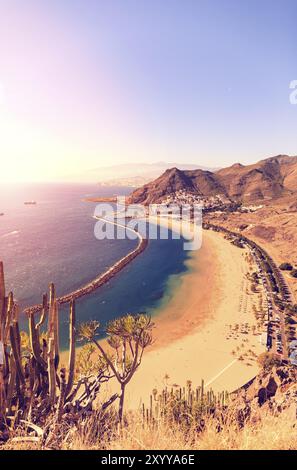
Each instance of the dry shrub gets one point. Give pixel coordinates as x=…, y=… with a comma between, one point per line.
x=95, y=431
x=275, y=432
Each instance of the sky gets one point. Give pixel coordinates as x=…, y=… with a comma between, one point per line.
x=91, y=83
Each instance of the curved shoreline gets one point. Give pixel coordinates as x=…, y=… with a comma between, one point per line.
x=193, y=336
x=103, y=278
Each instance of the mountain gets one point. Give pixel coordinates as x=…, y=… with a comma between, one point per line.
x=196, y=182
x=268, y=179
x=118, y=174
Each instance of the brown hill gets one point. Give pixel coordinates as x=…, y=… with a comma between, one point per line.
x=195, y=181
x=268, y=179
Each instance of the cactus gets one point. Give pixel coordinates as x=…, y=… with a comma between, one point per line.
x=51, y=371
x=202, y=389
x=15, y=346
x=62, y=395
x=11, y=383
x=43, y=312
x=35, y=342
x=23, y=380
x=9, y=316
x=56, y=335
x=53, y=323
x=31, y=385
x=72, y=334
x=52, y=299
x=183, y=406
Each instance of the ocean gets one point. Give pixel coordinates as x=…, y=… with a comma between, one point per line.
x=54, y=241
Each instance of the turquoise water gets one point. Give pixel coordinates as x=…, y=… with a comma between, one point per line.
x=54, y=241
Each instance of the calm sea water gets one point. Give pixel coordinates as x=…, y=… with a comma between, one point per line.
x=53, y=241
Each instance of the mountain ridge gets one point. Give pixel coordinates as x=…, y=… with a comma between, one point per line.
x=268, y=179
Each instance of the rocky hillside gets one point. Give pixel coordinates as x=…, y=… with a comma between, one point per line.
x=268, y=179
x=274, y=391
x=273, y=227
x=196, y=181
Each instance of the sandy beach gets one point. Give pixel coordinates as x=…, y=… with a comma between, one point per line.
x=206, y=329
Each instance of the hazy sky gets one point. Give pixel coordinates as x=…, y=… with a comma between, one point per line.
x=89, y=83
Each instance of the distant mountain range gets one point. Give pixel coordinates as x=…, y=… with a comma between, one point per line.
x=268, y=179
x=134, y=174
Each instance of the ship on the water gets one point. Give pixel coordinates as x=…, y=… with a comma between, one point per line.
x=30, y=203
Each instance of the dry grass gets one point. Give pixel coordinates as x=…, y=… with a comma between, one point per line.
x=175, y=421
x=269, y=433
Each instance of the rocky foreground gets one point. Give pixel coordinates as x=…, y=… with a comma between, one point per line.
x=273, y=391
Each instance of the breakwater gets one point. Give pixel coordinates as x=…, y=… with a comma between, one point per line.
x=104, y=277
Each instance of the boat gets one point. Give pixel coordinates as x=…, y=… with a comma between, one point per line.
x=1, y=213
x=30, y=203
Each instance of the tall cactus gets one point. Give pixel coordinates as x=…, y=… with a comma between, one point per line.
x=72, y=334
x=9, y=316
x=52, y=299
x=56, y=335
x=62, y=395
x=11, y=382
x=35, y=341
x=51, y=371
x=30, y=383
x=15, y=346
x=43, y=312
x=53, y=323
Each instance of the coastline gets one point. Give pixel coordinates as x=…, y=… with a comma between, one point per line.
x=193, y=336
x=102, y=278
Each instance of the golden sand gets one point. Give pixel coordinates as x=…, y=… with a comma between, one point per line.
x=193, y=336
x=207, y=328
